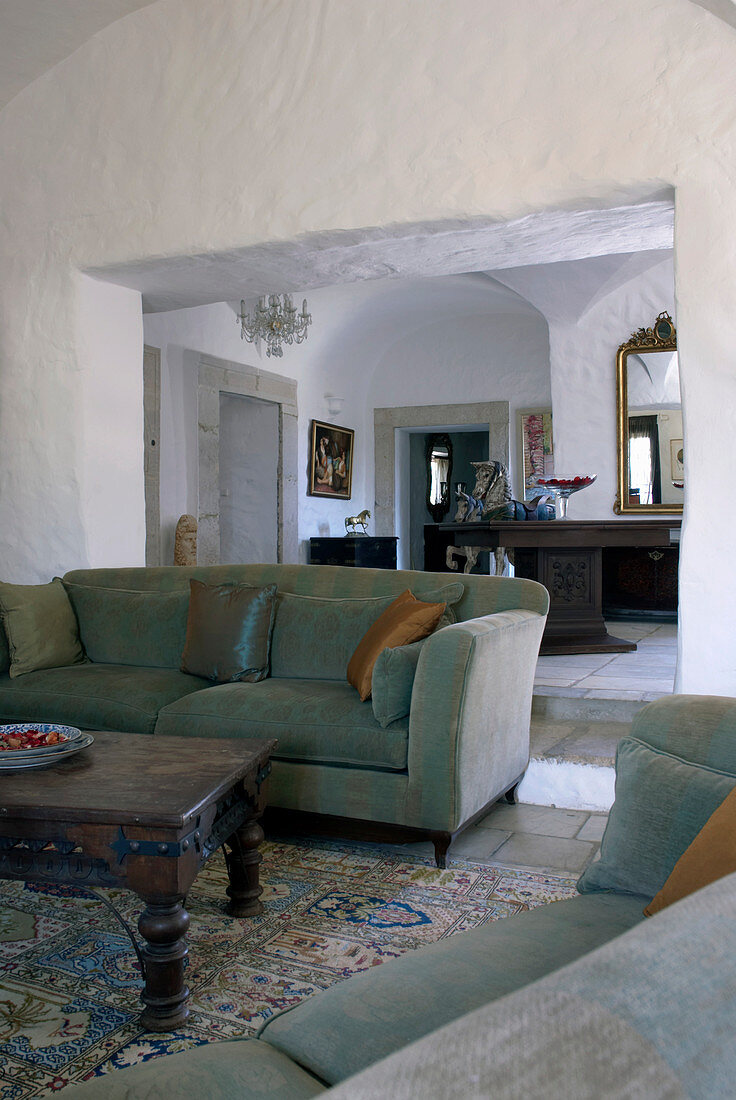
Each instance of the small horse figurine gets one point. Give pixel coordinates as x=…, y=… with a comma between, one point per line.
x=361, y=520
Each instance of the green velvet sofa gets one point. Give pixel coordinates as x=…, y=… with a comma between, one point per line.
x=462, y=744
x=580, y=998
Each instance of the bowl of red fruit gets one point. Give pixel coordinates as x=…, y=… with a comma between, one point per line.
x=32, y=744
x=564, y=487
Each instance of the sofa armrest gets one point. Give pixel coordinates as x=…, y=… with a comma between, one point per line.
x=697, y=728
x=470, y=715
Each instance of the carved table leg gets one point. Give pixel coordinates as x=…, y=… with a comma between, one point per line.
x=245, y=890
x=163, y=925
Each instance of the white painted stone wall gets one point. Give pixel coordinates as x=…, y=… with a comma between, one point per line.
x=187, y=128
x=583, y=370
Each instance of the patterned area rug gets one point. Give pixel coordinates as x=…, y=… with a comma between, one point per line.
x=69, y=983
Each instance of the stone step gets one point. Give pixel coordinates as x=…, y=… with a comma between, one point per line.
x=572, y=762
x=621, y=707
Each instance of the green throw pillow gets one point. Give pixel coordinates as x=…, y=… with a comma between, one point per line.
x=119, y=626
x=662, y=803
x=40, y=625
x=393, y=680
x=448, y=593
x=229, y=631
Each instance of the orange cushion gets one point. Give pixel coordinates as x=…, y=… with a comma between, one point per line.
x=406, y=620
x=710, y=856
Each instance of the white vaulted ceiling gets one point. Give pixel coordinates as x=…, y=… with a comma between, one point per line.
x=35, y=35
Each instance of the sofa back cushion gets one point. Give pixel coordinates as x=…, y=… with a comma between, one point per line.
x=296, y=651
x=481, y=595
x=661, y=804
x=314, y=637
x=124, y=627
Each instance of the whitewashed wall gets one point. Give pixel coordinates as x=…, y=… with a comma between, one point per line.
x=187, y=128
x=583, y=367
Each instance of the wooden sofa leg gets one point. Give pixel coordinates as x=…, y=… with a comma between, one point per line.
x=441, y=843
x=511, y=795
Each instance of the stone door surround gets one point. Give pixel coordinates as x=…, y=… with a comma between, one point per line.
x=218, y=376
x=432, y=417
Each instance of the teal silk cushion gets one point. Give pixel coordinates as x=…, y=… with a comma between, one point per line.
x=314, y=637
x=393, y=680
x=662, y=803
x=122, y=627
x=229, y=631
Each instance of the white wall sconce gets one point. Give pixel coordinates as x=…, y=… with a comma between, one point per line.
x=334, y=404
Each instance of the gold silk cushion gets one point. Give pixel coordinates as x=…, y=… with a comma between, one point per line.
x=406, y=620
x=40, y=625
x=710, y=856
x=229, y=630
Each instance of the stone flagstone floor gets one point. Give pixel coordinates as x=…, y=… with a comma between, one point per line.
x=530, y=838
x=645, y=674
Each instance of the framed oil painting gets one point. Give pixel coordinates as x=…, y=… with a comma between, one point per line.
x=535, y=449
x=330, y=461
x=677, y=459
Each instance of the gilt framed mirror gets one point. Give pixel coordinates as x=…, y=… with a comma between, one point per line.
x=649, y=422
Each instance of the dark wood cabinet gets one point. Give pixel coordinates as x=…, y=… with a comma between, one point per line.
x=640, y=580
x=366, y=551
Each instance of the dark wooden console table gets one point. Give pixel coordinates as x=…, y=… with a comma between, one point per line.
x=566, y=556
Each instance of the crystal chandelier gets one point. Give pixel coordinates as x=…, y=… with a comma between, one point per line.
x=275, y=320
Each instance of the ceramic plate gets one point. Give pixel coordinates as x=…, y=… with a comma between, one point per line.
x=19, y=761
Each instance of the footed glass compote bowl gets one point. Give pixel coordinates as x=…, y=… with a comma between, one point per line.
x=563, y=488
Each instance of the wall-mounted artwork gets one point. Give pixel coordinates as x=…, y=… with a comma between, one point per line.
x=537, y=455
x=330, y=461
x=677, y=459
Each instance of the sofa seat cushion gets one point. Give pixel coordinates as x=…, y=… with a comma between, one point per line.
x=319, y=721
x=239, y=1068
x=109, y=697
x=355, y=1023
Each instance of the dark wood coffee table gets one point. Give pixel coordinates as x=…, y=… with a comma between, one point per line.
x=144, y=813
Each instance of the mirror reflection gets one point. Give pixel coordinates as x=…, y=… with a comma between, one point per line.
x=439, y=475
x=655, y=424
x=651, y=473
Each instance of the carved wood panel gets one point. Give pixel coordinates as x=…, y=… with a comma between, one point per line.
x=570, y=576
